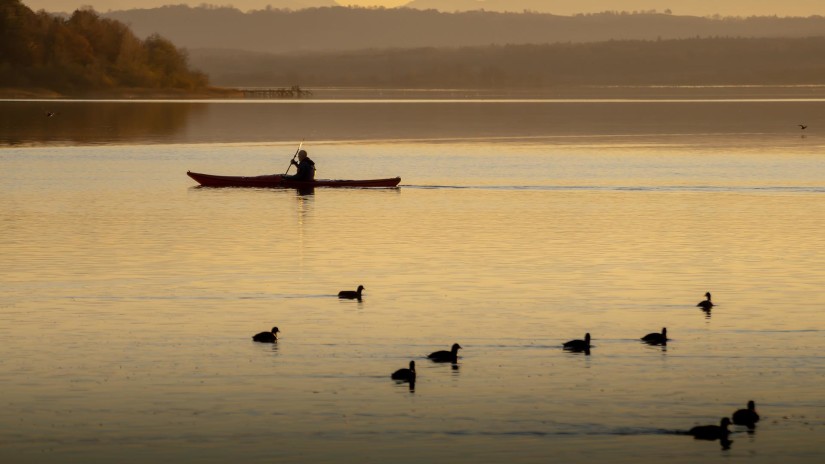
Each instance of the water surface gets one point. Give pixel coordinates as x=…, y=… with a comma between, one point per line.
x=129, y=295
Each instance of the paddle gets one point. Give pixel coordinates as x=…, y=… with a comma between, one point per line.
x=293, y=157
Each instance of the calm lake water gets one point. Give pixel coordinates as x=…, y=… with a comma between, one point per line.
x=128, y=295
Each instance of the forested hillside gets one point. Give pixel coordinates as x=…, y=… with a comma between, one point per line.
x=85, y=53
x=716, y=61
x=339, y=28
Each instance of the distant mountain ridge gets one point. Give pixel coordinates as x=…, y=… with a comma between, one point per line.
x=574, y=7
x=511, y=6
x=300, y=4
x=340, y=28
x=692, y=62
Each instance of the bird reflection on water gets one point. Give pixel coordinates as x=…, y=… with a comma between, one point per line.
x=585, y=352
x=725, y=443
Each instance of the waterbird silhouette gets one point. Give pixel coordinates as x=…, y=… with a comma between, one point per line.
x=747, y=417
x=656, y=338
x=350, y=294
x=711, y=432
x=802, y=126
x=578, y=345
x=446, y=356
x=267, y=337
x=405, y=375
x=706, y=304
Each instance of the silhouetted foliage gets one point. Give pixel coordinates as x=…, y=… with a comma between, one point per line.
x=85, y=52
x=719, y=61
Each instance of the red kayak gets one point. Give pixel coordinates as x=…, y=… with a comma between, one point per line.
x=277, y=180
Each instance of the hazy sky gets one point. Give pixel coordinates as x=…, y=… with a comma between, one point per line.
x=565, y=7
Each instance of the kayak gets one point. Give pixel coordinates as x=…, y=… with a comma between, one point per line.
x=278, y=181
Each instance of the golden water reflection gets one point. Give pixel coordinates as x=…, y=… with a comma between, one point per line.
x=129, y=298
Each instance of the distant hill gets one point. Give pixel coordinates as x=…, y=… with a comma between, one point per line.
x=299, y=4
x=573, y=7
x=510, y=6
x=712, y=61
x=339, y=28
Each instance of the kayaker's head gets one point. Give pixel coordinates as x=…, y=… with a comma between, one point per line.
x=302, y=155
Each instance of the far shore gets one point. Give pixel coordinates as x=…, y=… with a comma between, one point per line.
x=122, y=94
x=581, y=92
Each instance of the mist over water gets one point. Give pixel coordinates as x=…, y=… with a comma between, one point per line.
x=129, y=295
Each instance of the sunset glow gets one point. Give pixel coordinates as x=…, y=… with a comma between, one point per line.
x=561, y=7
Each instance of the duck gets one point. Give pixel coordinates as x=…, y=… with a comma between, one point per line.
x=706, y=304
x=351, y=295
x=656, y=338
x=711, y=432
x=747, y=417
x=578, y=345
x=446, y=356
x=405, y=375
x=267, y=337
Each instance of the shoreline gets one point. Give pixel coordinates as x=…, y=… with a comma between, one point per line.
x=631, y=92
x=121, y=94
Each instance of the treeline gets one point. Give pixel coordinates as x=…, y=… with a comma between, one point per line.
x=86, y=53
x=339, y=28
x=712, y=61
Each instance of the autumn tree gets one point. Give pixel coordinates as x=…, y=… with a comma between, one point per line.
x=85, y=52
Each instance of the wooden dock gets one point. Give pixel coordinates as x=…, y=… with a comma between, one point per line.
x=275, y=92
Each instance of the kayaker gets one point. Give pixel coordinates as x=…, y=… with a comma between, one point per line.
x=306, y=168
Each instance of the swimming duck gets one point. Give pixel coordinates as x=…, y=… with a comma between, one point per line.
x=267, y=337
x=351, y=295
x=578, y=345
x=405, y=375
x=446, y=356
x=656, y=338
x=747, y=417
x=711, y=432
x=706, y=304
